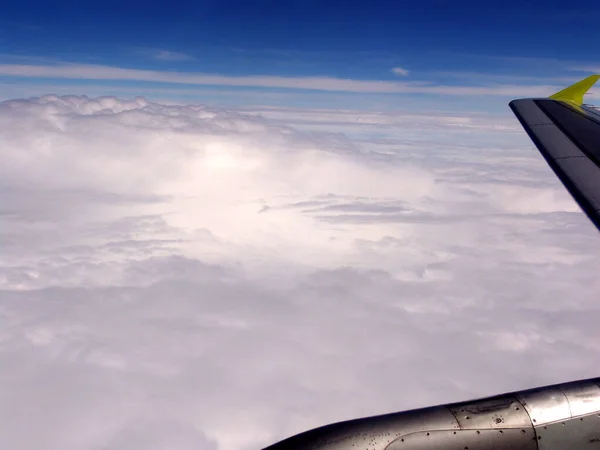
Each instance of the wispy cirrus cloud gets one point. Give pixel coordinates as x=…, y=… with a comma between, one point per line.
x=161, y=54
x=320, y=83
x=400, y=71
x=99, y=72
x=594, y=68
x=166, y=55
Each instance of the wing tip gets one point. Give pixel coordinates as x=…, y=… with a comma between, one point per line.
x=574, y=93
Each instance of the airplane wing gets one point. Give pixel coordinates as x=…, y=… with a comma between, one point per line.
x=567, y=134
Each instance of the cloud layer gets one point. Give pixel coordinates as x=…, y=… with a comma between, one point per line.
x=318, y=83
x=198, y=278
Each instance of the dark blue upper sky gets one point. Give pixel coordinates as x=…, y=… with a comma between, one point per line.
x=445, y=42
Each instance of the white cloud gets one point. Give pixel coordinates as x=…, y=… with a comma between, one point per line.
x=400, y=71
x=192, y=277
x=99, y=72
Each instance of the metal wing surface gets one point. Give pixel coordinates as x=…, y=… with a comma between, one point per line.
x=567, y=134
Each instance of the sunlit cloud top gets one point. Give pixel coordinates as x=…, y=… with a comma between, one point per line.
x=218, y=279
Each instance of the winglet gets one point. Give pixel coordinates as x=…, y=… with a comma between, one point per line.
x=574, y=94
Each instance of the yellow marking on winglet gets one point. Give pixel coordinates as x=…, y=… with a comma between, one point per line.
x=574, y=94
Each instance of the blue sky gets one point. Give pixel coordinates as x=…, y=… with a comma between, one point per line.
x=496, y=50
